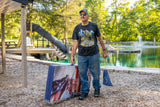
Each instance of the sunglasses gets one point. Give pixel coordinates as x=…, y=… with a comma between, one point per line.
x=83, y=14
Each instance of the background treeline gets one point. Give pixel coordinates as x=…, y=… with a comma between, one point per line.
x=118, y=22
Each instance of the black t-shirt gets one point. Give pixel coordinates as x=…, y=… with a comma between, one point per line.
x=87, y=38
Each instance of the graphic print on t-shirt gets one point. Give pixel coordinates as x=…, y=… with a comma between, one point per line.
x=87, y=39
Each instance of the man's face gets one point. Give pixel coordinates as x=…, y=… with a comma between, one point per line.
x=84, y=16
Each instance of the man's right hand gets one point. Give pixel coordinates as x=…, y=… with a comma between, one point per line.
x=72, y=60
x=74, y=48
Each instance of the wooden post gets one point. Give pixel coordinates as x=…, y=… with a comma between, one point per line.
x=65, y=29
x=3, y=45
x=33, y=39
x=24, y=50
x=154, y=41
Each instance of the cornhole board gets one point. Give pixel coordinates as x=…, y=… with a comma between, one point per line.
x=63, y=82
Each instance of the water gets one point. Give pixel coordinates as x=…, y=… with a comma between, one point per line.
x=148, y=58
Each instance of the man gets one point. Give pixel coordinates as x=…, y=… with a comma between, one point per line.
x=85, y=39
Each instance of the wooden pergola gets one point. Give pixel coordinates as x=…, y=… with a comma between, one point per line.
x=8, y=6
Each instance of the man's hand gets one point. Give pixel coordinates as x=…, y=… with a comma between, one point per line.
x=74, y=48
x=105, y=55
x=72, y=60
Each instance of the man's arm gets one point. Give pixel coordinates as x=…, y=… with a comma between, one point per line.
x=74, y=48
x=103, y=47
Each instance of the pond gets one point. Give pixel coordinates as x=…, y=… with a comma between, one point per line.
x=147, y=58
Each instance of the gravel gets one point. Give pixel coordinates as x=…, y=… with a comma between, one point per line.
x=129, y=89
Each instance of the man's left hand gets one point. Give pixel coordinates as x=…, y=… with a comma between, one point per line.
x=105, y=55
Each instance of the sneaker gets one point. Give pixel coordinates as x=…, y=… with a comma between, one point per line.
x=96, y=92
x=83, y=96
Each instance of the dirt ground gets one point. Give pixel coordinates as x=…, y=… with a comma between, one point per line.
x=129, y=90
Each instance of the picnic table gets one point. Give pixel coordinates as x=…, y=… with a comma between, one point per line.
x=9, y=43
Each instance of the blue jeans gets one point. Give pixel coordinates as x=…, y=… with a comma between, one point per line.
x=93, y=64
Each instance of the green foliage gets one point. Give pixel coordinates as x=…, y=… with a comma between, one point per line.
x=12, y=25
x=121, y=23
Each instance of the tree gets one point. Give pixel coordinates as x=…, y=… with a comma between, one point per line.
x=59, y=17
x=97, y=13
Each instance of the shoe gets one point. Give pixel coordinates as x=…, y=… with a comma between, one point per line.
x=83, y=96
x=96, y=92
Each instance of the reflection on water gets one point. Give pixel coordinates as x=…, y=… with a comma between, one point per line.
x=138, y=59
x=149, y=58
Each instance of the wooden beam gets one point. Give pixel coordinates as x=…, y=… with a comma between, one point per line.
x=3, y=45
x=7, y=6
x=31, y=50
x=24, y=50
